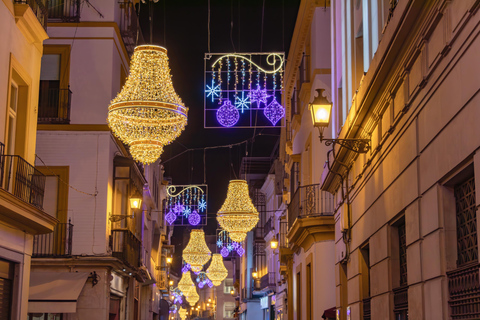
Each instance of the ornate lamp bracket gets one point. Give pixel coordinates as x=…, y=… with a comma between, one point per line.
x=355, y=145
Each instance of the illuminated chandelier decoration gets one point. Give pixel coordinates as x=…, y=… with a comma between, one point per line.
x=196, y=253
x=217, y=271
x=226, y=245
x=186, y=205
x=186, y=284
x=192, y=297
x=240, y=85
x=147, y=114
x=237, y=215
x=182, y=313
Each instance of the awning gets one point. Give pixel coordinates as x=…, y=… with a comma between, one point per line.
x=55, y=292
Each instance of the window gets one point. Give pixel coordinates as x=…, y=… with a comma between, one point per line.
x=298, y=301
x=400, y=283
x=54, y=95
x=18, y=111
x=228, y=285
x=309, y=291
x=6, y=288
x=365, y=271
x=55, y=199
x=229, y=309
x=294, y=178
x=466, y=216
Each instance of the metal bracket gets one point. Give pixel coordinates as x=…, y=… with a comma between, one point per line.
x=119, y=217
x=355, y=145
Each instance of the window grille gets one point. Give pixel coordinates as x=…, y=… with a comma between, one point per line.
x=467, y=246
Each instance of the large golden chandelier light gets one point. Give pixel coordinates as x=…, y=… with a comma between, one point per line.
x=147, y=114
x=186, y=284
x=217, y=271
x=196, y=253
x=182, y=313
x=238, y=215
x=192, y=297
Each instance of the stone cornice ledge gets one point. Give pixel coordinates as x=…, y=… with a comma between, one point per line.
x=29, y=25
x=307, y=231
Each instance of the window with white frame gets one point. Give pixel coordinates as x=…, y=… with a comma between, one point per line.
x=228, y=286
x=228, y=309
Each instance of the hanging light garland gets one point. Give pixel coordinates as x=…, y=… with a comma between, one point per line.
x=147, y=114
x=186, y=284
x=193, y=297
x=237, y=215
x=196, y=253
x=217, y=271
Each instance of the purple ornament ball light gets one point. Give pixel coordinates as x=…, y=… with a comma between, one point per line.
x=224, y=252
x=227, y=114
x=194, y=218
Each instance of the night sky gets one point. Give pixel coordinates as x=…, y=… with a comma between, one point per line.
x=181, y=27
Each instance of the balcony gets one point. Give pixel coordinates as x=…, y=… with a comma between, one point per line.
x=130, y=27
x=21, y=179
x=268, y=281
x=464, y=289
x=39, y=8
x=310, y=216
x=268, y=227
x=57, y=244
x=64, y=10
x=161, y=279
x=400, y=303
x=54, y=106
x=284, y=250
x=126, y=247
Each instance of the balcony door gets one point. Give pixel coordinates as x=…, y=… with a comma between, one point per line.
x=53, y=100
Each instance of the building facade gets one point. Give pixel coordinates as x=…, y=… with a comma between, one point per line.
x=405, y=77
x=21, y=186
x=306, y=231
x=106, y=259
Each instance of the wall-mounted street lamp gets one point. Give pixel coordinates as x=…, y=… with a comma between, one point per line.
x=136, y=201
x=321, y=110
x=135, y=204
x=170, y=283
x=169, y=260
x=274, y=243
x=255, y=274
x=232, y=292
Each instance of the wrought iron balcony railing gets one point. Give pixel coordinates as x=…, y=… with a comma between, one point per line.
x=400, y=302
x=130, y=26
x=64, y=10
x=282, y=235
x=39, y=8
x=304, y=69
x=54, y=106
x=126, y=247
x=21, y=179
x=268, y=226
x=309, y=201
x=267, y=280
x=56, y=244
x=464, y=289
x=367, y=309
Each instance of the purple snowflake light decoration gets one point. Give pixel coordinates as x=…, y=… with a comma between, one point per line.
x=224, y=252
x=258, y=95
x=227, y=114
x=194, y=218
x=240, y=251
x=178, y=209
x=274, y=112
x=170, y=217
x=235, y=245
